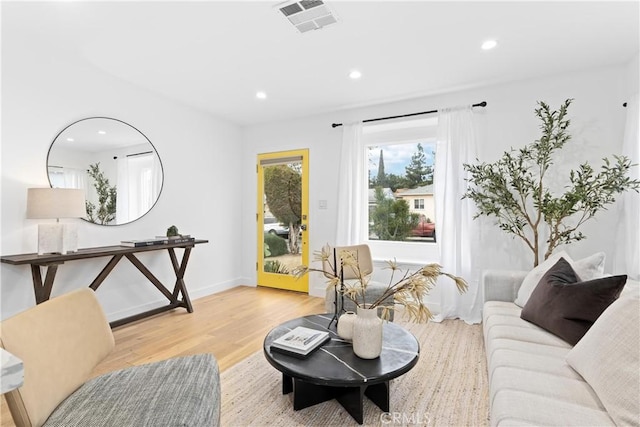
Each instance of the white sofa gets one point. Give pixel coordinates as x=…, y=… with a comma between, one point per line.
x=533, y=378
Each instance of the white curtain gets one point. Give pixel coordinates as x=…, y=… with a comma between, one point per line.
x=352, y=193
x=627, y=250
x=122, y=197
x=139, y=184
x=457, y=234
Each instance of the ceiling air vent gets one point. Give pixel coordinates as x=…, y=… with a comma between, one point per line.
x=307, y=15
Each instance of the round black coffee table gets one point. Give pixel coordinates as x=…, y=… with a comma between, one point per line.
x=333, y=371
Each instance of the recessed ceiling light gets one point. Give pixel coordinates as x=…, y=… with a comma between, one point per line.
x=261, y=95
x=101, y=132
x=355, y=74
x=489, y=44
x=70, y=139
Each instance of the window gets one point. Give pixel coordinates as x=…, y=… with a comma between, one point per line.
x=400, y=181
x=401, y=205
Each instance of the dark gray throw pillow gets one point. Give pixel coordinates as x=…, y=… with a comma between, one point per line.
x=566, y=307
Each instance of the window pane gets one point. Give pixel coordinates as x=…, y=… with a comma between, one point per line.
x=282, y=213
x=401, y=203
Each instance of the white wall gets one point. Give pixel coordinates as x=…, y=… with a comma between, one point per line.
x=633, y=76
x=508, y=121
x=44, y=92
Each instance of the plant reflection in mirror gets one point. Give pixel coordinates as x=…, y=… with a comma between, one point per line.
x=105, y=212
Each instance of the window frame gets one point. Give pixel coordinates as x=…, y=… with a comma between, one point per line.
x=399, y=132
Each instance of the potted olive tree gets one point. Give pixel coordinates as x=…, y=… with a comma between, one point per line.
x=513, y=190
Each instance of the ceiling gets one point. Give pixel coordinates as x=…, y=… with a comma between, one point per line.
x=216, y=55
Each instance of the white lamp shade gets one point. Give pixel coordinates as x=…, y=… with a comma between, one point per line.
x=49, y=203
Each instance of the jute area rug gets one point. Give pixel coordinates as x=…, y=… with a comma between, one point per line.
x=447, y=387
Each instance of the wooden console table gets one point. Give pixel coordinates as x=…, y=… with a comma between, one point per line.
x=179, y=297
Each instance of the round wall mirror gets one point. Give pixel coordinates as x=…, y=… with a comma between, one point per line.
x=116, y=165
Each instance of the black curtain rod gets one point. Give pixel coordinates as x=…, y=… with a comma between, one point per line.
x=335, y=125
x=134, y=154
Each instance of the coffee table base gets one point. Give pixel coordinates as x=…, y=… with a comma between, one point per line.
x=306, y=394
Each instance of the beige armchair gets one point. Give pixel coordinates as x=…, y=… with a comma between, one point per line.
x=374, y=290
x=62, y=340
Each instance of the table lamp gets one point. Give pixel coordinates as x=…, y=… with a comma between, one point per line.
x=49, y=203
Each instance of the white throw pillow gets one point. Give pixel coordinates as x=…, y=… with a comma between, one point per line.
x=532, y=278
x=591, y=267
x=608, y=358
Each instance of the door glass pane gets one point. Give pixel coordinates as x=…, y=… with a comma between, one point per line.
x=282, y=214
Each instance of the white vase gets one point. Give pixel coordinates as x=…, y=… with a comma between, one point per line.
x=367, y=334
x=345, y=325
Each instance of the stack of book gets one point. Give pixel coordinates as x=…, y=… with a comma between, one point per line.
x=184, y=238
x=159, y=240
x=300, y=342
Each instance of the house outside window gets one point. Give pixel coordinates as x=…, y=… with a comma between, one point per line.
x=421, y=200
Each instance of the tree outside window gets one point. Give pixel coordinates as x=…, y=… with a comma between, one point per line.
x=283, y=191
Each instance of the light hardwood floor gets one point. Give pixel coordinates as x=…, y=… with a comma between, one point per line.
x=230, y=324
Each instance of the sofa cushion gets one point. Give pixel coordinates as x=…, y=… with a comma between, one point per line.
x=567, y=308
x=587, y=268
x=514, y=407
x=504, y=329
x=527, y=347
x=524, y=333
x=570, y=390
x=608, y=358
x=541, y=363
x=500, y=308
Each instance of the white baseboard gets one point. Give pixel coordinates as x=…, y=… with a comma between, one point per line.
x=193, y=294
x=214, y=289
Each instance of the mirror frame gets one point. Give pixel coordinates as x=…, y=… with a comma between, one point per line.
x=132, y=127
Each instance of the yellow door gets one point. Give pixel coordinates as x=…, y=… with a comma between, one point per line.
x=283, y=218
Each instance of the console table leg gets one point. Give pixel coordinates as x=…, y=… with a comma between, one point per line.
x=105, y=272
x=179, y=269
x=43, y=291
